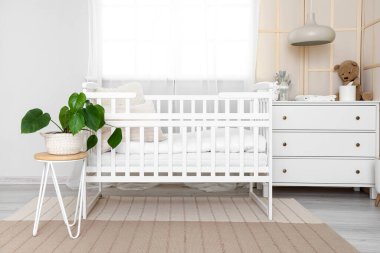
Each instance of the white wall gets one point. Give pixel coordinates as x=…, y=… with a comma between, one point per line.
x=43, y=59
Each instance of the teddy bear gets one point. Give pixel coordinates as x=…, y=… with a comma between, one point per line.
x=348, y=71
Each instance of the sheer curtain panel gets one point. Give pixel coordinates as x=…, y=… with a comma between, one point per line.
x=181, y=46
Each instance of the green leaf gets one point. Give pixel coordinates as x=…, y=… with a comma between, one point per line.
x=91, y=142
x=100, y=108
x=64, y=116
x=101, y=112
x=115, y=138
x=92, y=117
x=76, y=122
x=77, y=101
x=34, y=120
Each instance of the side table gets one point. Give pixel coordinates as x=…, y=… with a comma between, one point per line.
x=49, y=160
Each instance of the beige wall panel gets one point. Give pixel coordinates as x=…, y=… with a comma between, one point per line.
x=371, y=47
x=376, y=9
x=345, y=47
x=368, y=11
x=274, y=51
x=319, y=83
x=266, y=57
x=367, y=44
x=348, y=17
x=376, y=54
x=294, y=90
x=319, y=57
x=336, y=82
x=322, y=11
x=376, y=84
x=366, y=80
x=268, y=15
x=291, y=14
x=290, y=60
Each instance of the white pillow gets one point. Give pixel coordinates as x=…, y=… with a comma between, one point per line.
x=147, y=107
x=120, y=103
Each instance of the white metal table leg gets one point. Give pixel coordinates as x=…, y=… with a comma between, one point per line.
x=45, y=173
x=84, y=191
x=78, y=212
x=78, y=209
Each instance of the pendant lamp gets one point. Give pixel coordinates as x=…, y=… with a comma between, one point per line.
x=311, y=34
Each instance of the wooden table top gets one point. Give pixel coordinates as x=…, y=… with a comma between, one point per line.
x=44, y=156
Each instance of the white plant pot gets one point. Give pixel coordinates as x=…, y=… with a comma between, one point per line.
x=63, y=143
x=377, y=175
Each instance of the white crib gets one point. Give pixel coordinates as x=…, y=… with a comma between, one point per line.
x=242, y=118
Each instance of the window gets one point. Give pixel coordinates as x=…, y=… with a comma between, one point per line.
x=176, y=39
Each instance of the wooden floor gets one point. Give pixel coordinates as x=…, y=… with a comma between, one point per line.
x=351, y=214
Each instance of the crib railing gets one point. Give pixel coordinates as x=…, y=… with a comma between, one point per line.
x=180, y=114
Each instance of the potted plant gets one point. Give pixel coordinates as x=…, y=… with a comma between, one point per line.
x=78, y=117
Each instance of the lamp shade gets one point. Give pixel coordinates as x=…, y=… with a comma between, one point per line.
x=311, y=34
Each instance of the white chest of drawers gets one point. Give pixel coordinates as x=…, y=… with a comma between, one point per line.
x=325, y=143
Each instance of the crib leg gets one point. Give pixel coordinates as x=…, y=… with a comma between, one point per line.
x=266, y=190
x=266, y=206
x=100, y=195
x=91, y=201
x=270, y=193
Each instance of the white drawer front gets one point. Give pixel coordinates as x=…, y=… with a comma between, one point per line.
x=325, y=117
x=324, y=144
x=323, y=171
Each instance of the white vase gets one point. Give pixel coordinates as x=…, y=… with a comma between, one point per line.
x=377, y=175
x=63, y=143
x=347, y=93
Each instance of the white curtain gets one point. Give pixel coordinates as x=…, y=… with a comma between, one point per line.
x=174, y=46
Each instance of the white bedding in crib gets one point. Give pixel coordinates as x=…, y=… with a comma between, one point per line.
x=234, y=145
x=220, y=160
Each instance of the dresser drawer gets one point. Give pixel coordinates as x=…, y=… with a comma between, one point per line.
x=324, y=144
x=323, y=171
x=325, y=117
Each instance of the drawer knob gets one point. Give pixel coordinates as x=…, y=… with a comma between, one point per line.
x=357, y=171
x=284, y=171
x=284, y=117
x=357, y=117
x=357, y=144
x=284, y=144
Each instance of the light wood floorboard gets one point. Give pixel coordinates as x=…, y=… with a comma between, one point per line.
x=352, y=214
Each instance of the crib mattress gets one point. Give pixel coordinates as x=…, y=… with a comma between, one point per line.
x=205, y=143
x=220, y=159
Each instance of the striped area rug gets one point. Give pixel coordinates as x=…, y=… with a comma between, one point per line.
x=173, y=224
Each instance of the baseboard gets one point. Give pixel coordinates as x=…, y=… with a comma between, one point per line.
x=30, y=180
